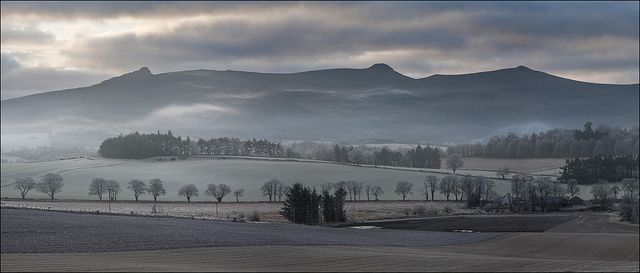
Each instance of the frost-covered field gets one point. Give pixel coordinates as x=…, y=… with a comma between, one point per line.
x=529, y=165
x=238, y=173
x=267, y=211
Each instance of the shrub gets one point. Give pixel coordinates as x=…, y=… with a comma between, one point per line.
x=254, y=216
x=419, y=210
x=447, y=210
x=173, y=159
x=629, y=210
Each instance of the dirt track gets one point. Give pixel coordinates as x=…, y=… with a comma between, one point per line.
x=610, y=249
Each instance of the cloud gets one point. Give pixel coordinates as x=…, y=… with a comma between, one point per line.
x=17, y=80
x=181, y=111
x=22, y=36
x=594, y=41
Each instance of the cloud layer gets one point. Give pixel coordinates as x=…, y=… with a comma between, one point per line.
x=67, y=44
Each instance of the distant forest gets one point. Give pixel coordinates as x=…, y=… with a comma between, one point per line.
x=556, y=143
x=138, y=146
x=609, y=168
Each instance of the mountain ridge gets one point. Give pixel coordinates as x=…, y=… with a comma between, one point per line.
x=344, y=104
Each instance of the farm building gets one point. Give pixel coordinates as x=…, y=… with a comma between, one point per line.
x=576, y=201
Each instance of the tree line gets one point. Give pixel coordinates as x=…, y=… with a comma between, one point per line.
x=556, y=143
x=605, y=167
x=137, y=146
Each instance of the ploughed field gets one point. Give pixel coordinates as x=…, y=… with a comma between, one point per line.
x=478, y=223
x=35, y=231
x=238, y=173
x=55, y=241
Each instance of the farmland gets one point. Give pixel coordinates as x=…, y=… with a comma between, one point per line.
x=238, y=173
x=267, y=211
x=68, y=242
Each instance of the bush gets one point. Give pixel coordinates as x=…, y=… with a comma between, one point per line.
x=254, y=216
x=173, y=159
x=419, y=210
x=447, y=210
x=424, y=211
x=629, y=211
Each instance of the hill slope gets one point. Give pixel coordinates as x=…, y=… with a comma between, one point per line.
x=334, y=104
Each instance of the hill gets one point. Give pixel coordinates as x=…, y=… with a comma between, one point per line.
x=238, y=173
x=332, y=105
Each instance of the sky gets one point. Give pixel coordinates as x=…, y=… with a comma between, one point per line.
x=49, y=46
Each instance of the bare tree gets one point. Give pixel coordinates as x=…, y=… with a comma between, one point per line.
x=138, y=187
x=24, y=185
x=367, y=191
x=98, y=187
x=543, y=186
x=340, y=185
x=446, y=186
x=350, y=187
x=238, y=193
x=403, y=188
x=454, y=162
x=615, y=190
x=503, y=171
x=377, y=191
x=270, y=189
x=601, y=192
x=156, y=189
x=424, y=190
x=218, y=191
x=327, y=186
x=188, y=191
x=51, y=184
x=357, y=189
x=432, y=181
x=113, y=187
x=572, y=187
x=455, y=186
x=517, y=190
x=282, y=190
x=631, y=186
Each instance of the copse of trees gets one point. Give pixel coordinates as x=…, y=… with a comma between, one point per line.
x=333, y=205
x=556, y=143
x=530, y=193
x=301, y=205
x=607, y=167
x=137, y=146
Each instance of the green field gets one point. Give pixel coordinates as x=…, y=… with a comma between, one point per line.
x=238, y=173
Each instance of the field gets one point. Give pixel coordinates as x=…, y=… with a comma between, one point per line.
x=267, y=211
x=53, y=241
x=478, y=223
x=238, y=173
